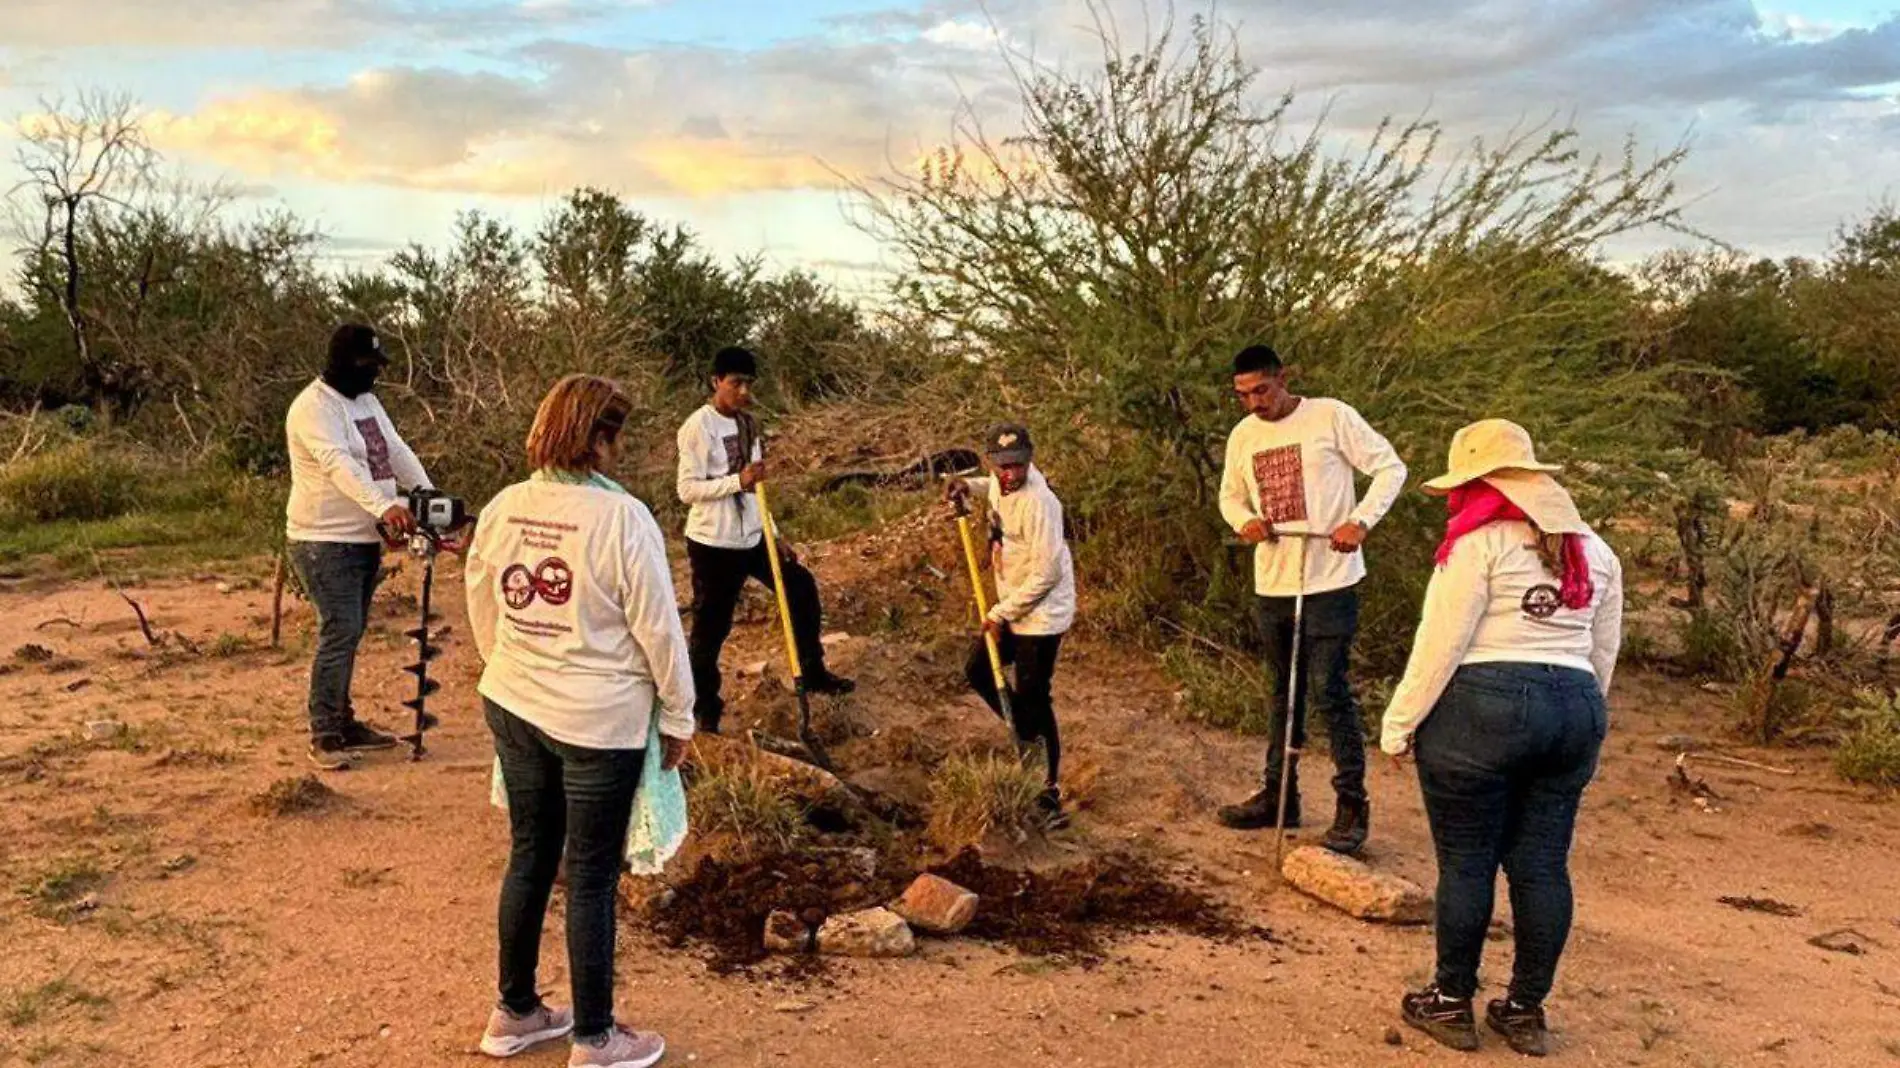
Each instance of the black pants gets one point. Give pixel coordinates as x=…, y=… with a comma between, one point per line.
x=1331, y=621
x=719, y=575
x=1503, y=760
x=1034, y=658
x=562, y=797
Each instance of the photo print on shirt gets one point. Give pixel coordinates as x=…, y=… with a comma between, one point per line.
x=1280, y=476
x=376, y=449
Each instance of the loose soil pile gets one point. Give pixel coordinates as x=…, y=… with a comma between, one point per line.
x=723, y=905
x=1070, y=913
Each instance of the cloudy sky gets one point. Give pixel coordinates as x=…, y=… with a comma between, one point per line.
x=381, y=119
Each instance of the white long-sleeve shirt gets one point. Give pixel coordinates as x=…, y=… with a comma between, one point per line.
x=572, y=606
x=1493, y=602
x=1297, y=473
x=722, y=514
x=347, y=464
x=1035, y=577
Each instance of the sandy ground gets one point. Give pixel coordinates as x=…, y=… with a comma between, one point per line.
x=155, y=917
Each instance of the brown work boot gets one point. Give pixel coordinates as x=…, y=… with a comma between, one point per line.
x=1351, y=825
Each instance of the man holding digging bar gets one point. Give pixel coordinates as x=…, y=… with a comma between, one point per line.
x=1288, y=476
x=1035, y=589
x=721, y=462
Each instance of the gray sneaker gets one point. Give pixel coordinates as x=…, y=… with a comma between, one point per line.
x=509, y=1034
x=618, y=1048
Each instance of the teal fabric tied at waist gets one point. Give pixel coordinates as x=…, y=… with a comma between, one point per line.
x=658, y=827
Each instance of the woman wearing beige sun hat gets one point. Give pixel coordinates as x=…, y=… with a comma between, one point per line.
x=1502, y=706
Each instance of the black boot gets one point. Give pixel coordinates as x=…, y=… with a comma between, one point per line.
x=1522, y=1026
x=1262, y=810
x=1447, y=1020
x=1351, y=824
x=1049, y=803
x=824, y=682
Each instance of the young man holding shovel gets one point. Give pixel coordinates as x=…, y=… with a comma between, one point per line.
x=1035, y=589
x=1288, y=475
x=721, y=461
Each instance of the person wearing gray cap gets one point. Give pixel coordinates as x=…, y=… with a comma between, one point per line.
x=1035, y=588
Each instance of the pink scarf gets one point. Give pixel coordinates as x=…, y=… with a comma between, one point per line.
x=1478, y=504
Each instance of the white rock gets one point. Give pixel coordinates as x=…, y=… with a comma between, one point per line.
x=870, y=933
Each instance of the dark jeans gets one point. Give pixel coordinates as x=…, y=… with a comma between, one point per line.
x=719, y=575
x=1034, y=657
x=339, y=579
x=1503, y=760
x=562, y=797
x=1331, y=621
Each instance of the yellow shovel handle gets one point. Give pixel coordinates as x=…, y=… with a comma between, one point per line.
x=778, y=579
x=982, y=602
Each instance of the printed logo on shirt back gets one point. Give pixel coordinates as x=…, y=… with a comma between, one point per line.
x=552, y=580
x=376, y=449
x=1542, y=601
x=1279, y=474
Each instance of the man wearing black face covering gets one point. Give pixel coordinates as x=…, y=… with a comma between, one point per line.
x=348, y=467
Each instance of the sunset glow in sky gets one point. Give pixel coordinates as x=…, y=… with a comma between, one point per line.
x=381, y=119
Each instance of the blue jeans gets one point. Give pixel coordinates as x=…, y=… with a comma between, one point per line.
x=339, y=579
x=1503, y=760
x=1330, y=622
x=562, y=798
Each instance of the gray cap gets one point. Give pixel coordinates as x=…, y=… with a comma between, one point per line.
x=1008, y=443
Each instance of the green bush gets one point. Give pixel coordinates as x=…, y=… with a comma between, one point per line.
x=1219, y=691
x=72, y=482
x=745, y=802
x=975, y=795
x=1871, y=753
x=75, y=500
x=1711, y=648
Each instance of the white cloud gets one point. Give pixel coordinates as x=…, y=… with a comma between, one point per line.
x=1797, y=28
x=963, y=33
x=1795, y=122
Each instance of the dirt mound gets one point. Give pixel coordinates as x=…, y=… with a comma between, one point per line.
x=295, y=796
x=1072, y=911
x=723, y=904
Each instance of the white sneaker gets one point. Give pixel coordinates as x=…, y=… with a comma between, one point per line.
x=618, y=1048
x=509, y=1034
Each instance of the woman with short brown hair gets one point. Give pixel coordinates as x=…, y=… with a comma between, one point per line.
x=571, y=602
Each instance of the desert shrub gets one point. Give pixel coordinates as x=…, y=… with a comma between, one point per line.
x=1153, y=219
x=1220, y=691
x=975, y=795
x=1870, y=754
x=77, y=481
x=741, y=801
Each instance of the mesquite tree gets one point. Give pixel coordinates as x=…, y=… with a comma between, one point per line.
x=1156, y=214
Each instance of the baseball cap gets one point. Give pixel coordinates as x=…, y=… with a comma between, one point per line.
x=354, y=343
x=1008, y=443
